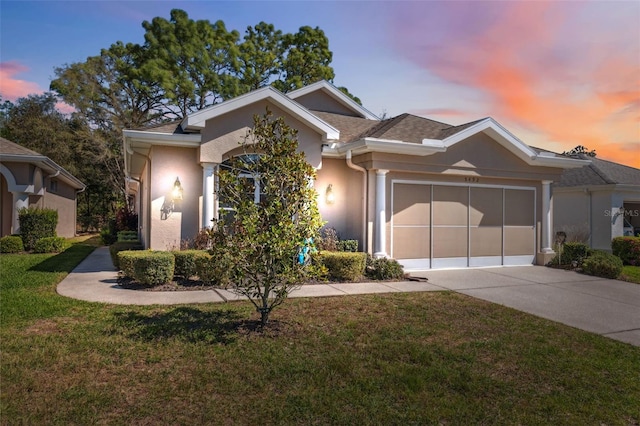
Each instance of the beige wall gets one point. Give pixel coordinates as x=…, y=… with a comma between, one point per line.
x=226, y=132
x=6, y=202
x=183, y=222
x=321, y=101
x=346, y=213
x=66, y=208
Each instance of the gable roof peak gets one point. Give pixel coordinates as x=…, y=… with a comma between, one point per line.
x=337, y=94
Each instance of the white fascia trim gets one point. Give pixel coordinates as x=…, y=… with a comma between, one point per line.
x=198, y=119
x=48, y=165
x=508, y=140
x=383, y=145
x=154, y=138
x=336, y=94
x=515, y=145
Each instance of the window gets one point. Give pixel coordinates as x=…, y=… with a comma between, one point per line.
x=251, y=180
x=53, y=185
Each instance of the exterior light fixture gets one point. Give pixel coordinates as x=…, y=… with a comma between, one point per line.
x=177, y=190
x=330, y=197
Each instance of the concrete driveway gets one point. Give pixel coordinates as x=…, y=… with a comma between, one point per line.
x=607, y=307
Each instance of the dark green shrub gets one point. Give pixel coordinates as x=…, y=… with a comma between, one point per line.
x=36, y=223
x=344, y=266
x=602, y=264
x=50, y=245
x=147, y=266
x=348, y=245
x=11, y=244
x=107, y=236
x=212, y=269
x=186, y=261
x=125, y=262
x=571, y=252
x=627, y=249
x=120, y=246
x=127, y=235
x=383, y=269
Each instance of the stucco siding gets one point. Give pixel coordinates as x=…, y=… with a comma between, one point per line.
x=174, y=220
x=321, y=101
x=66, y=208
x=225, y=133
x=346, y=212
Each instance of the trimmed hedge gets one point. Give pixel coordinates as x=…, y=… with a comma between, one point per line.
x=212, y=270
x=627, y=249
x=602, y=264
x=11, y=244
x=344, y=266
x=119, y=246
x=36, y=223
x=186, y=261
x=50, y=245
x=127, y=236
x=147, y=266
x=572, y=252
x=383, y=269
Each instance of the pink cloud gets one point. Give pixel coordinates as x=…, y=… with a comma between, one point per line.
x=12, y=88
x=567, y=71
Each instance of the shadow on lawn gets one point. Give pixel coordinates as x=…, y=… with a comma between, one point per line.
x=184, y=323
x=65, y=261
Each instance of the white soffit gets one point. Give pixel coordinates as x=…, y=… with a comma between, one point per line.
x=198, y=119
x=336, y=94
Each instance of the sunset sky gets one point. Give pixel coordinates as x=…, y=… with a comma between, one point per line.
x=556, y=74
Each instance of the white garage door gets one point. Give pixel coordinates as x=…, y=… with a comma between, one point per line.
x=452, y=226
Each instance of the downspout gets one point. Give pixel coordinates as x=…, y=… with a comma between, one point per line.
x=364, y=198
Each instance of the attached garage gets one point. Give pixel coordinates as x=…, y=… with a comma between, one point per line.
x=436, y=225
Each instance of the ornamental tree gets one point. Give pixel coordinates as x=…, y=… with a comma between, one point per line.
x=257, y=241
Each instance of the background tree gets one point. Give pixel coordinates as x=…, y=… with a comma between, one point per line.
x=580, y=150
x=260, y=56
x=259, y=242
x=195, y=62
x=306, y=59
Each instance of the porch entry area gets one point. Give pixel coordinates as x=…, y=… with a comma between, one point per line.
x=438, y=225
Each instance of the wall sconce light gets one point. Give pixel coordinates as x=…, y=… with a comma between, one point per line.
x=330, y=197
x=177, y=190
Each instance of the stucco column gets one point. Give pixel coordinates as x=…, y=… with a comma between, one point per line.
x=381, y=216
x=546, y=217
x=20, y=200
x=208, y=195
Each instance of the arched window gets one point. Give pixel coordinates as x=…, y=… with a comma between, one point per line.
x=251, y=179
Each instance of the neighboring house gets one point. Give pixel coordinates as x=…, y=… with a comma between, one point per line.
x=427, y=193
x=597, y=202
x=29, y=179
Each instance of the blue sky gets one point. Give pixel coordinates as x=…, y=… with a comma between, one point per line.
x=556, y=74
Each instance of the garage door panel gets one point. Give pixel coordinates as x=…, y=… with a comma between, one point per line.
x=486, y=241
x=519, y=207
x=450, y=204
x=486, y=207
x=518, y=240
x=411, y=243
x=450, y=242
x=411, y=204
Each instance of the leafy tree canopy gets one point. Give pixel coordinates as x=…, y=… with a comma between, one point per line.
x=580, y=150
x=185, y=65
x=258, y=242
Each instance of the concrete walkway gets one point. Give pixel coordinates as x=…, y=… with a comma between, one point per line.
x=607, y=307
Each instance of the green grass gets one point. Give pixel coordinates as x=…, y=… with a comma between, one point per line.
x=422, y=358
x=631, y=274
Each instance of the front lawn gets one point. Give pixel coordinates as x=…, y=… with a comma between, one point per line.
x=631, y=274
x=421, y=358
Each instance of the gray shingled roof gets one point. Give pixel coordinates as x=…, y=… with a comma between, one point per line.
x=172, y=127
x=599, y=172
x=11, y=148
